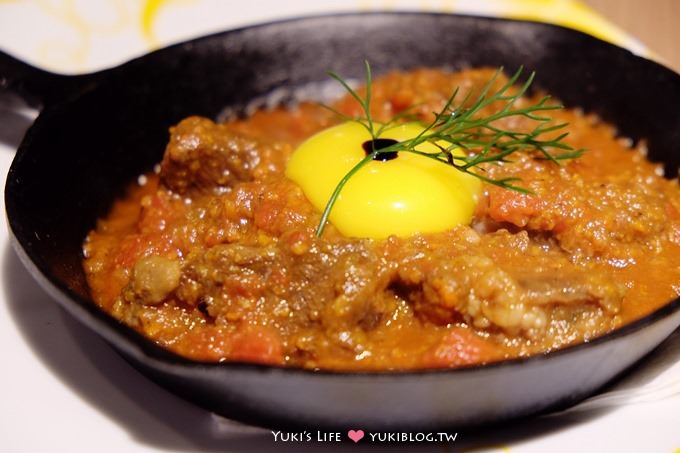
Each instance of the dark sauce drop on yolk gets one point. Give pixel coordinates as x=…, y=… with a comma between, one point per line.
x=377, y=144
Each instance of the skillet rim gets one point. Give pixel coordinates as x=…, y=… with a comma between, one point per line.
x=144, y=349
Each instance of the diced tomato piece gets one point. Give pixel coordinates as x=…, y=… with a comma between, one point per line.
x=267, y=214
x=257, y=344
x=248, y=344
x=511, y=206
x=401, y=100
x=459, y=347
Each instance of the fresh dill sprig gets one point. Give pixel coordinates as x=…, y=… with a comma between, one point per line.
x=461, y=127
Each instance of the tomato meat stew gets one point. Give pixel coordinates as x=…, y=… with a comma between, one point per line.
x=217, y=254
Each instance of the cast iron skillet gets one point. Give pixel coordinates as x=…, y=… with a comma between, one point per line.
x=98, y=132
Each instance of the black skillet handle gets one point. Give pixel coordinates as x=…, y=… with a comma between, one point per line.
x=36, y=86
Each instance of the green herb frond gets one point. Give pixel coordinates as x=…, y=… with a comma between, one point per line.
x=463, y=126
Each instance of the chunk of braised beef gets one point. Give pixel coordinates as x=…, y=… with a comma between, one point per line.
x=545, y=294
x=336, y=285
x=203, y=155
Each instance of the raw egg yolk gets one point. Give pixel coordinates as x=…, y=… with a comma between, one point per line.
x=396, y=194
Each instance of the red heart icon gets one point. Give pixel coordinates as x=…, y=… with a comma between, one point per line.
x=356, y=436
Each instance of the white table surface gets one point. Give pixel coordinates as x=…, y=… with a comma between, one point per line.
x=64, y=389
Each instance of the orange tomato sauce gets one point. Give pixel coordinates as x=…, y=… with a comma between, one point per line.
x=214, y=256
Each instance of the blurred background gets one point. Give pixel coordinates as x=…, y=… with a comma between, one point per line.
x=655, y=22
x=81, y=35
